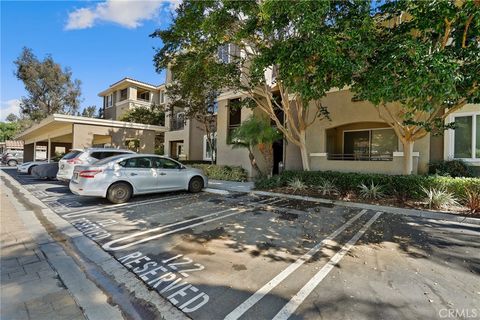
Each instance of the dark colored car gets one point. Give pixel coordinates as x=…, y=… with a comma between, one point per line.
x=12, y=157
x=45, y=171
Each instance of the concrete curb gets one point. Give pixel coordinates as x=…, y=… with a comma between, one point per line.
x=88, y=257
x=394, y=210
x=216, y=191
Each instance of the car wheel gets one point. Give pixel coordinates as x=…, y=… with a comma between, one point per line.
x=119, y=192
x=30, y=170
x=12, y=163
x=195, y=185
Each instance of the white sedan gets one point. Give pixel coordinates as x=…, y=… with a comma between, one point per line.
x=120, y=177
x=28, y=166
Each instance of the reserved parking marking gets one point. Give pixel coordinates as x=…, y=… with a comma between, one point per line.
x=307, y=289
x=253, y=299
x=114, y=206
x=108, y=246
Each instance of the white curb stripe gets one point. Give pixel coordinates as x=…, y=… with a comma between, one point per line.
x=253, y=299
x=307, y=289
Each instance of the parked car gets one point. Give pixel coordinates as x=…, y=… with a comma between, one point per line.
x=84, y=157
x=28, y=166
x=121, y=177
x=45, y=171
x=12, y=157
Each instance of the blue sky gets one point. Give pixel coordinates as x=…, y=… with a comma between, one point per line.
x=101, y=42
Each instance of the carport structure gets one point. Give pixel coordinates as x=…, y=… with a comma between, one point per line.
x=65, y=132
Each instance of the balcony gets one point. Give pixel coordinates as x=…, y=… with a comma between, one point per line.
x=177, y=123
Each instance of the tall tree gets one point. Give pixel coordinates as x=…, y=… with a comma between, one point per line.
x=311, y=46
x=8, y=130
x=90, y=112
x=50, y=89
x=257, y=133
x=153, y=114
x=12, y=117
x=423, y=65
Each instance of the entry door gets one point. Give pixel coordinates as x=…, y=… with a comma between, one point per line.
x=141, y=173
x=170, y=174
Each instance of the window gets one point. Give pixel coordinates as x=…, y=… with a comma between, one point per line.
x=143, y=95
x=209, y=151
x=162, y=163
x=123, y=94
x=109, y=100
x=374, y=144
x=466, y=137
x=162, y=97
x=72, y=154
x=140, y=162
x=234, y=117
x=223, y=53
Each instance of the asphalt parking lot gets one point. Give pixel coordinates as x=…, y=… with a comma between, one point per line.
x=257, y=257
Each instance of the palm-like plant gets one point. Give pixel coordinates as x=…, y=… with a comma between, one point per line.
x=257, y=132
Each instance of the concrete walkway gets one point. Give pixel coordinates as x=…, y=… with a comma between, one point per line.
x=30, y=287
x=230, y=185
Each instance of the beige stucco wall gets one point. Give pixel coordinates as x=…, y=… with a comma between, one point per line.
x=343, y=111
x=83, y=136
x=226, y=154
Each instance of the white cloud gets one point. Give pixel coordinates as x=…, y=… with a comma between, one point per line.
x=127, y=13
x=9, y=106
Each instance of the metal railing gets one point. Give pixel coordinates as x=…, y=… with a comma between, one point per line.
x=177, y=124
x=360, y=157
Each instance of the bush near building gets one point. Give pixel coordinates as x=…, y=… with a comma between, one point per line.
x=405, y=188
x=218, y=172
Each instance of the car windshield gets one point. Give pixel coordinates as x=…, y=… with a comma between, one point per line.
x=72, y=154
x=110, y=159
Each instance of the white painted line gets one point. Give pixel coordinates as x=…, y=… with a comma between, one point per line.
x=253, y=299
x=301, y=295
x=108, y=246
x=216, y=191
x=114, y=206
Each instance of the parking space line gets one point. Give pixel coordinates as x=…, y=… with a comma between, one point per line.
x=108, y=245
x=114, y=206
x=307, y=289
x=253, y=299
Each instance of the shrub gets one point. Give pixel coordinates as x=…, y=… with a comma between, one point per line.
x=297, y=184
x=472, y=200
x=218, y=172
x=327, y=187
x=439, y=198
x=373, y=191
x=452, y=168
x=407, y=187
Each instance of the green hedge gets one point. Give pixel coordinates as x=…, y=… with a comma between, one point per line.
x=218, y=172
x=409, y=187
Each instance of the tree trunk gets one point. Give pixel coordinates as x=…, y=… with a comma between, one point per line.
x=253, y=162
x=303, y=151
x=408, y=157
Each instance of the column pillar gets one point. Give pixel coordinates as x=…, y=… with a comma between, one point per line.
x=49, y=150
x=35, y=151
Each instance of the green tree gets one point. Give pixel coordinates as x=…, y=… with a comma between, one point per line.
x=8, y=130
x=11, y=117
x=257, y=133
x=154, y=115
x=49, y=88
x=310, y=46
x=90, y=112
x=424, y=64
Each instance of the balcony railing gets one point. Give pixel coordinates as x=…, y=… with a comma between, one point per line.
x=177, y=124
x=360, y=157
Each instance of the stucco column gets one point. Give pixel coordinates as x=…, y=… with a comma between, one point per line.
x=49, y=150
x=34, y=151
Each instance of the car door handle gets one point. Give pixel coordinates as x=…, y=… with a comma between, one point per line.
x=162, y=174
x=133, y=174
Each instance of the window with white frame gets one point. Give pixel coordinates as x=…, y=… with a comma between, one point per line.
x=466, y=136
x=208, y=150
x=109, y=100
x=162, y=97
